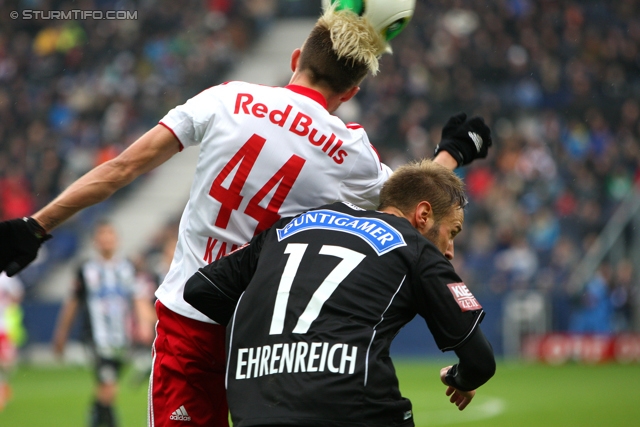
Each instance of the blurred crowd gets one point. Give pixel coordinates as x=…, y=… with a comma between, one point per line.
x=558, y=82
x=75, y=93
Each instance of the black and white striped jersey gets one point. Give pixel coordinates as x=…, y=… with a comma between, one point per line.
x=319, y=300
x=106, y=289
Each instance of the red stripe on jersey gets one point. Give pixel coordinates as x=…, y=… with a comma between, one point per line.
x=174, y=134
x=377, y=154
x=309, y=93
x=354, y=126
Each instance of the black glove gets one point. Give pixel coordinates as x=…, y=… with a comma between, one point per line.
x=466, y=140
x=20, y=240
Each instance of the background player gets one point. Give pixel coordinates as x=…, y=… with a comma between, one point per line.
x=12, y=332
x=151, y=269
x=105, y=292
x=320, y=298
x=264, y=153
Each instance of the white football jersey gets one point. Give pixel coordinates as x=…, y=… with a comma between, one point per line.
x=265, y=153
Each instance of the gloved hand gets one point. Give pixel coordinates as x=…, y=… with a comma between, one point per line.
x=20, y=240
x=466, y=140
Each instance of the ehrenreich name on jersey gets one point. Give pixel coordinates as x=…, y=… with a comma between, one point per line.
x=318, y=299
x=297, y=357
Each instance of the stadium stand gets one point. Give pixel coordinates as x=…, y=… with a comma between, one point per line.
x=557, y=81
x=74, y=93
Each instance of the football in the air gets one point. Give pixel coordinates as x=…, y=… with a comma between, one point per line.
x=388, y=17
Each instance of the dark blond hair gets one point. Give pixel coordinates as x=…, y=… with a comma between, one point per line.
x=341, y=49
x=423, y=180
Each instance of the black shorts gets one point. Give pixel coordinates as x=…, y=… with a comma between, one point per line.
x=108, y=370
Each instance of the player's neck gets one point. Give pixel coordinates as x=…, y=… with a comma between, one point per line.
x=395, y=211
x=333, y=99
x=301, y=79
x=107, y=256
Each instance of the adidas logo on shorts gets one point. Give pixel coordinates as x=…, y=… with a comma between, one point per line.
x=180, y=414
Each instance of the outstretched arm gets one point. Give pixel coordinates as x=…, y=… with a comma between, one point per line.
x=21, y=238
x=151, y=150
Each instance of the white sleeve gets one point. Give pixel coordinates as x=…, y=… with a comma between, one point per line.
x=189, y=121
x=362, y=186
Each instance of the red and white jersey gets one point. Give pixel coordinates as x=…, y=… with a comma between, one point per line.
x=11, y=292
x=265, y=153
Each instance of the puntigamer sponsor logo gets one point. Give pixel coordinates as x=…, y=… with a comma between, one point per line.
x=377, y=233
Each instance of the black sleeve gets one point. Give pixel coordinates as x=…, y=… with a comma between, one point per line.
x=214, y=290
x=206, y=297
x=477, y=363
x=443, y=300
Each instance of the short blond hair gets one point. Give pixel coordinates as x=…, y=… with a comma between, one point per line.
x=340, y=50
x=354, y=37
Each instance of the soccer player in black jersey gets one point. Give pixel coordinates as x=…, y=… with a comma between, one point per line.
x=313, y=304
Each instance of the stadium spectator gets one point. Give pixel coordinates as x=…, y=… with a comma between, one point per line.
x=593, y=313
x=560, y=83
x=623, y=293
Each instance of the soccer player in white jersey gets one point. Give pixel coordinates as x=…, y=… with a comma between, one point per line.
x=265, y=152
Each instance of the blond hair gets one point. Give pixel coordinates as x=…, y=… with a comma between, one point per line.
x=353, y=37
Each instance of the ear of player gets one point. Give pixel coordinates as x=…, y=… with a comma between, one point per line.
x=465, y=139
x=20, y=240
x=389, y=18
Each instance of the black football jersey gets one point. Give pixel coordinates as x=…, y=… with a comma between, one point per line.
x=319, y=298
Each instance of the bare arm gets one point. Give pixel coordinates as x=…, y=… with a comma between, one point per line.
x=145, y=319
x=63, y=326
x=150, y=150
x=446, y=160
